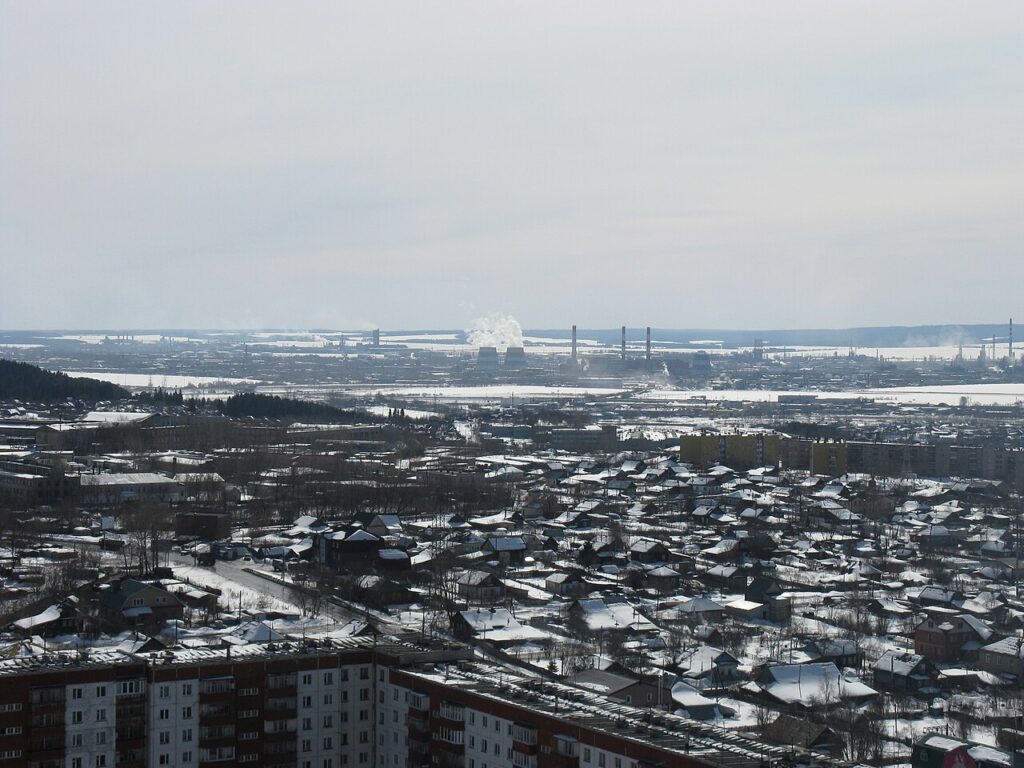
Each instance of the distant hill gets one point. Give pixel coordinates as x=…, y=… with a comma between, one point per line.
x=21, y=381
x=274, y=407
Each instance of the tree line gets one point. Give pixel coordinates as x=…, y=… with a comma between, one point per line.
x=22, y=381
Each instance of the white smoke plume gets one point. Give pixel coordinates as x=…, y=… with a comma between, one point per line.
x=495, y=330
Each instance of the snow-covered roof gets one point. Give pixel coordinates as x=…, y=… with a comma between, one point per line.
x=51, y=614
x=813, y=684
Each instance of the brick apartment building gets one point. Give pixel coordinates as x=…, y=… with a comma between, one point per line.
x=352, y=703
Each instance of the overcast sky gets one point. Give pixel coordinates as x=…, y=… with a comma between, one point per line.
x=416, y=165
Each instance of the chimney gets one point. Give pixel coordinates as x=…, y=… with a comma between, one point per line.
x=574, y=342
x=1010, y=343
x=648, y=344
x=623, y=342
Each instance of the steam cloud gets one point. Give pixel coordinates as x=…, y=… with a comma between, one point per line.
x=495, y=330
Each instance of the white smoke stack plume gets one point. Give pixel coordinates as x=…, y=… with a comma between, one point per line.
x=495, y=330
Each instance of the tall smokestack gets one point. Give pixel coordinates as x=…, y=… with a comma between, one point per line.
x=1010, y=343
x=623, y=342
x=574, y=342
x=648, y=344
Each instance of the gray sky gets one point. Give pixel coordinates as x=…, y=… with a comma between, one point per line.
x=416, y=164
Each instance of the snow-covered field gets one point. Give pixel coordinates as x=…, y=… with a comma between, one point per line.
x=489, y=392
x=233, y=594
x=976, y=394
x=156, y=379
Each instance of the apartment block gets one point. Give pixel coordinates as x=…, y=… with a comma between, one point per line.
x=354, y=703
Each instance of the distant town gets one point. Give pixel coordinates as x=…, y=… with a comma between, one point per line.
x=498, y=548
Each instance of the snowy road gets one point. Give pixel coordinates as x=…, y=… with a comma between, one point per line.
x=235, y=576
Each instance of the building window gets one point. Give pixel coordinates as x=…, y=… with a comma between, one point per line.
x=129, y=687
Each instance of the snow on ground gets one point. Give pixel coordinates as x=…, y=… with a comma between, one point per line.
x=172, y=380
x=489, y=392
x=231, y=591
x=409, y=413
x=976, y=394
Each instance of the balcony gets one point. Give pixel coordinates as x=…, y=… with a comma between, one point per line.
x=130, y=733
x=449, y=738
x=275, y=709
x=452, y=712
x=41, y=697
x=280, y=750
x=48, y=719
x=522, y=760
x=131, y=759
x=524, y=734
x=555, y=760
x=278, y=730
x=216, y=754
x=130, y=711
x=282, y=685
x=216, y=686
x=40, y=746
x=217, y=714
x=213, y=733
x=417, y=723
x=448, y=759
x=565, y=752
